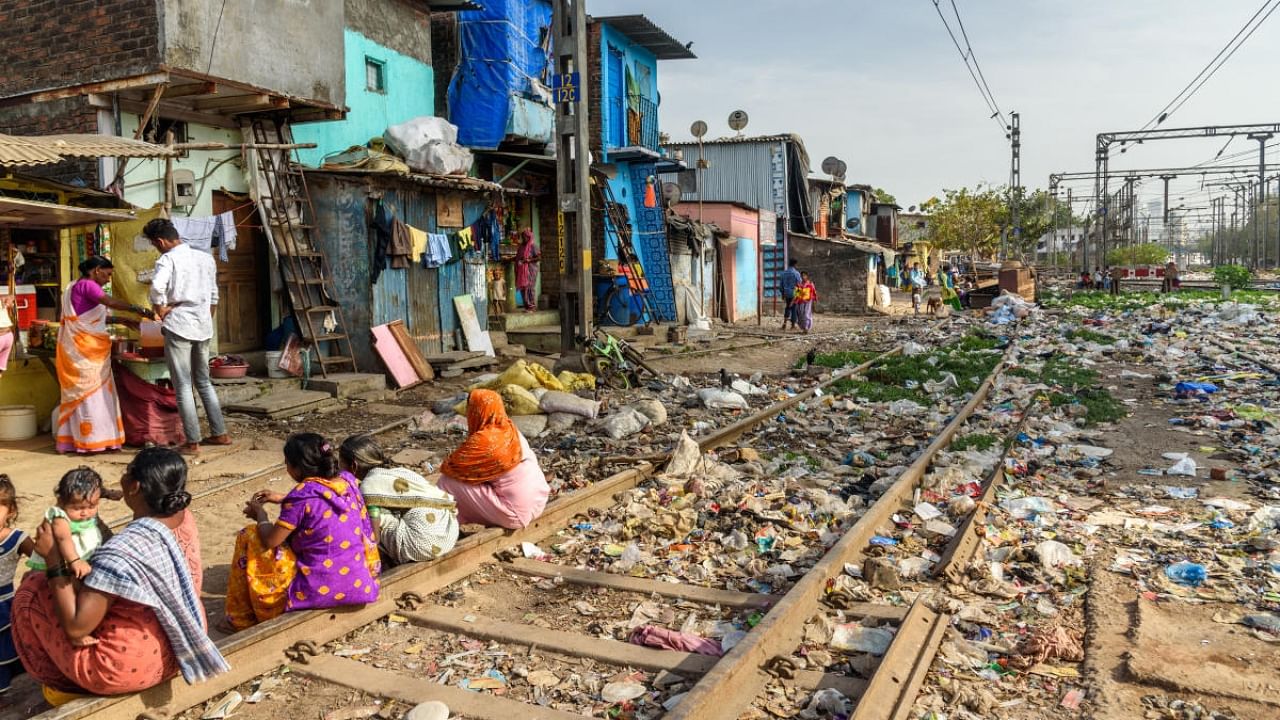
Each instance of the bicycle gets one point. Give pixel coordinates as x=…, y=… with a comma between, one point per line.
x=613, y=360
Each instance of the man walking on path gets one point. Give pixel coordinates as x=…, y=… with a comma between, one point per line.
x=1117, y=274
x=790, y=279
x=184, y=293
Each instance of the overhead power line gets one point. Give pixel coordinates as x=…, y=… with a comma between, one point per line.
x=974, y=56
x=1210, y=69
x=981, y=84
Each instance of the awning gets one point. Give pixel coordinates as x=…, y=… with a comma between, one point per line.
x=52, y=215
x=47, y=149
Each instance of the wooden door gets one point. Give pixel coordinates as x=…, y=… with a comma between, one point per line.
x=243, y=305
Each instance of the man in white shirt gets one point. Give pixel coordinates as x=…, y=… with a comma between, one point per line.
x=184, y=293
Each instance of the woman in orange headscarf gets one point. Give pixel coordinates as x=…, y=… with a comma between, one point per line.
x=494, y=475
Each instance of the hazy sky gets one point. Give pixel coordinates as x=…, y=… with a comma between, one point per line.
x=879, y=84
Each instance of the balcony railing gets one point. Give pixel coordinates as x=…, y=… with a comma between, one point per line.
x=633, y=124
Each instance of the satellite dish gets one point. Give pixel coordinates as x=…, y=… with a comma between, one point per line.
x=737, y=120
x=831, y=165
x=841, y=170
x=671, y=193
x=698, y=128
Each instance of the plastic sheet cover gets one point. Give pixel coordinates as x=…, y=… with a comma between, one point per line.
x=505, y=51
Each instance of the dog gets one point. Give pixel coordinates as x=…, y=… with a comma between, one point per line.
x=934, y=305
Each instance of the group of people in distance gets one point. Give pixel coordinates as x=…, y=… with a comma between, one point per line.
x=101, y=614
x=1110, y=280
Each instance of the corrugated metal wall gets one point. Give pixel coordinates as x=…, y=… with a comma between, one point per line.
x=739, y=172
x=422, y=298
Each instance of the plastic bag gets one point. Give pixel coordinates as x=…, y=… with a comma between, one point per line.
x=1054, y=554
x=562, y=402
x=1187, y=573
x=1025, y=507
x=429, y=144
x=913, y=348
x=716, y=399
x=1185, y=466
x=543, y=377
x=519, y=401
x=905, y=407
x=518, y=374
x=624, y=423
x=1185, y=389
x=852, y=637
x=576, y=381
x=652, y=409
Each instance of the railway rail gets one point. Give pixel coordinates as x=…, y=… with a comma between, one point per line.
x=726, y=686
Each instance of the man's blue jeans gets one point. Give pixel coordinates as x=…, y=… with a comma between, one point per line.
x=188, y=362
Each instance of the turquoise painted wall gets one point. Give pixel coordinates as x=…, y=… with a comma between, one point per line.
x=410, y=93
x=747, y=284
x=644, y=71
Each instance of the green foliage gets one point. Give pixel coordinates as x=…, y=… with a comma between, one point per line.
x=1076, y=385
x=882, y=196
x=841, y=359
x=1235, y=277
x=975, y=441
x=1144, y=254
x=1087, y=335
x=967, y=220
x=970, y=360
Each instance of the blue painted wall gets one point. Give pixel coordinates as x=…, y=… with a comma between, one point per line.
x=854, y=211
x=410, y=93
x=745, y=278
x=644, y=72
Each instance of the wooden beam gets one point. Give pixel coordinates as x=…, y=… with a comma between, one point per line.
x=197, y=88
x=368, y=679
x=234, y=101
x=644, y=586
x=105, y=86
x=173, y=113
x=455, y=621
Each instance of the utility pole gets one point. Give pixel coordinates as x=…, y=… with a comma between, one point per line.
x=1262, y=139
x=1015, y=178
x=1071, y=222
x=573, y=170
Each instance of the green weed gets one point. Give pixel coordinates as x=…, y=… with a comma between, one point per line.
x=975, y=441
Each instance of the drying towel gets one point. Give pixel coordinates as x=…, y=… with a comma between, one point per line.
x=438, y=252
x=206, y=233
x=464, y=238
x=418, y=238
x=401, y=247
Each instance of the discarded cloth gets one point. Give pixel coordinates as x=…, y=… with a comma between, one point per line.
x=660, y=637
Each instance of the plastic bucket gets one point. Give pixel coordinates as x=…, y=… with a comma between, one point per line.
x=273, y=365
x=17, y=422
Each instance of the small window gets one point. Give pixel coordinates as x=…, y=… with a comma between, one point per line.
x=375, y=75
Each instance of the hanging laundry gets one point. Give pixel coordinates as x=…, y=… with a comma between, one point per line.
x=206, y=233
x=383, y=219
x=401, y=248
x=489, y=235
x=466, y=239
x=438, y=252
x=419, y=241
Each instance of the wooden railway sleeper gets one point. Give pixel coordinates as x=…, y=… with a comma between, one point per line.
x=781, y=666
x=410, y=601
x=300, y=651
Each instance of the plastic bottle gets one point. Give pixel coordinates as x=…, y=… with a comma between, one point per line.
x=1187, y=573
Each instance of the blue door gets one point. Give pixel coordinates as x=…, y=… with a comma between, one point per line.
x=615, y=101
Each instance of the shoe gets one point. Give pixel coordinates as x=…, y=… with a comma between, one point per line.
x=189, y=449
x=223, y=439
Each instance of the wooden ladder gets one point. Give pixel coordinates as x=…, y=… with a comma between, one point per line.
x=288, y=216
x=616, y=213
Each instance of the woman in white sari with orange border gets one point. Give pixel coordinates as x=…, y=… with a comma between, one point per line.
x=88, y=420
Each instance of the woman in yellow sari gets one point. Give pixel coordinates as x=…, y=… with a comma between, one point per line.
x=88, y=419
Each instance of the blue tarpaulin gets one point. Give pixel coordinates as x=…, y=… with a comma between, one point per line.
x=505, y=48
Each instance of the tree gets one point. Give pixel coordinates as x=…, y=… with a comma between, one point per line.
x=881, y=195
x=1143, y=254
x=1037, y=215
x=966, y=220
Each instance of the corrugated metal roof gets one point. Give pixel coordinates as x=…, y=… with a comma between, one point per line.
x=448, y=182
x=43, y=214
x=643, y=32
x=44, y=149
x=781, y=137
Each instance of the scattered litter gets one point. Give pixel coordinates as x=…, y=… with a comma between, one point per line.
x=852, y=637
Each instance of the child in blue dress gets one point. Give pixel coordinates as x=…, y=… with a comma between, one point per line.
x=13, y=544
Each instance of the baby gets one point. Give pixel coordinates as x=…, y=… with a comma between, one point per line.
x=74, y=520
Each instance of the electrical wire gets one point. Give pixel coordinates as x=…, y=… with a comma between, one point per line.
x=990, y=101
x=1183, y=95
x=965, y=34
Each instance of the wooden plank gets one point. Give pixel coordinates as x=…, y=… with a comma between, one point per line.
x=366, y=678
x=285, y=402
x=477, y=337
x=392, y=356
x=237, y=102
x=912, y=647
x=681, y=591
x=734, y=683
x=456, y=621
x=105, y=86
x=196, y=88
x=452, y=356
x=411, y=351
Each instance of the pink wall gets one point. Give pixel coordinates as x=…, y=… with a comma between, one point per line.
x=739, y=221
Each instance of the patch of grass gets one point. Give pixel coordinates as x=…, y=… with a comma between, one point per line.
x=1087, y=335
x=1127, y=301
x=843, y=358
x=970, y=360
x=1077, y=385
x=878, y=392
x=975, y=441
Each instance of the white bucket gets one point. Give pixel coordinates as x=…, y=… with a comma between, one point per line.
x=17, y=422
x=273, y=365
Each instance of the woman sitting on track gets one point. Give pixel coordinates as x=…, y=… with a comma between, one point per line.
x=137, y=618
x=494, y=475
x=320, y=553
x=414, y=520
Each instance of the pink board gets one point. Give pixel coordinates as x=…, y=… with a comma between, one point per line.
x=384, y=343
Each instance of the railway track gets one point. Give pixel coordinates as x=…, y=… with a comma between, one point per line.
x=713, y=687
